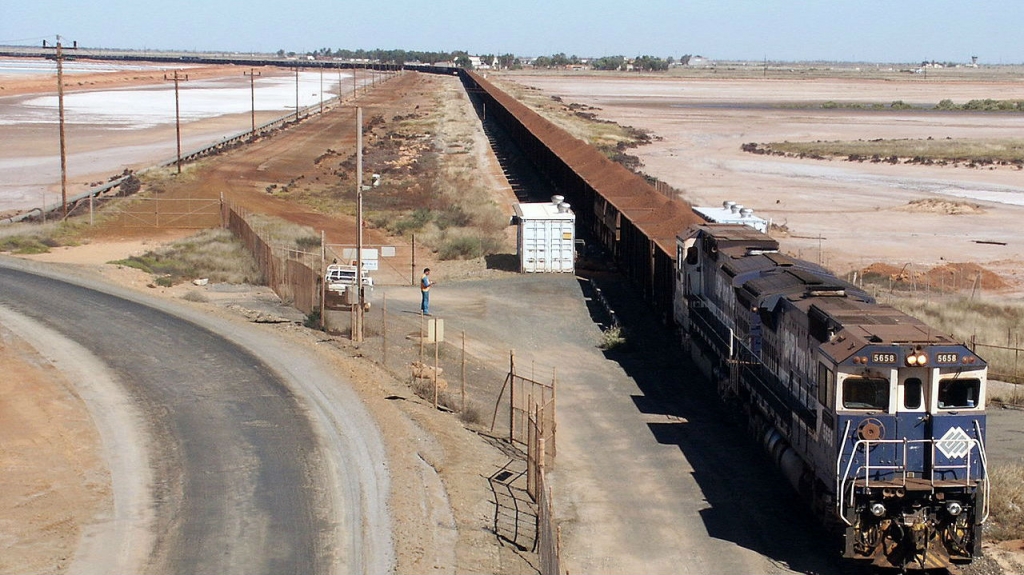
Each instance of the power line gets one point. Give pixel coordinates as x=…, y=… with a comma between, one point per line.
x=15, y=41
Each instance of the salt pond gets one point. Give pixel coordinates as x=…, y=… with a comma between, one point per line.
x=27, y=175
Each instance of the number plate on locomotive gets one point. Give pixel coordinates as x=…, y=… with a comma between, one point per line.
x=946, y=358
x=883, y=357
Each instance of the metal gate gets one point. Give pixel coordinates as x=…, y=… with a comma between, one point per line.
x=182, y=213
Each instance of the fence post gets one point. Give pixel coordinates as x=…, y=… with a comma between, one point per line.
x=463, y=372
x=1016, y=380
x=436, y=346
x=554, y=412
x=322, y=280
x=542, y=452
x=512, y=397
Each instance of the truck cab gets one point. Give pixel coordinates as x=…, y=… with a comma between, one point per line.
x=341, y=279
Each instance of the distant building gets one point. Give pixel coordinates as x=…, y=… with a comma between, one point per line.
x=479, y=63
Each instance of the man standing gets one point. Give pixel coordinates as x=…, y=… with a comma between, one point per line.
x=425, y=284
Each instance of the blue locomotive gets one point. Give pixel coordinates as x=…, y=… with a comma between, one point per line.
x=877, y=419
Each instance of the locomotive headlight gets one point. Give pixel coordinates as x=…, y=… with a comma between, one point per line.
x=954, y=508
x=916, y=359
x=878, y=509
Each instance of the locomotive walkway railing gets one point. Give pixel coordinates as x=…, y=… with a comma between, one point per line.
x=849, y=478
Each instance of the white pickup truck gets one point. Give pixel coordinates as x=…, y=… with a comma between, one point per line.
x=341, y=278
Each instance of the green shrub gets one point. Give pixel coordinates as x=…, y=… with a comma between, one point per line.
x=312, y=320
x=212, y=254
x=466, y=246
x=307, y=243
x=471, y=415
x=413, y=222
x=195, y=296
x=23, y=245
x=452, y=217
x=612, y=338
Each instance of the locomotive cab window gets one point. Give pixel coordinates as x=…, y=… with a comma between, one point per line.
x=912, y=393
x=866, y=393
x=826, y=385
x=692, y=255
x=959, y=393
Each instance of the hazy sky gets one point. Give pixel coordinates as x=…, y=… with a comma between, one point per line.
x=835, y=30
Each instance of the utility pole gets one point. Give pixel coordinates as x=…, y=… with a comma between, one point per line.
x=357, y=328
x=321, y=90
x=177, y=111
x=296, y=93
x=252, y=73
x=60, y=112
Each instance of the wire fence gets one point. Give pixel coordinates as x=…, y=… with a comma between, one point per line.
x=1009, y=360
x=293, y=274
x=496, y=398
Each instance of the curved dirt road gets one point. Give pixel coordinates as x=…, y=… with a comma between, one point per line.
x=232, y=454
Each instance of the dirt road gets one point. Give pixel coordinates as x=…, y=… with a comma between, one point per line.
x=231, y=474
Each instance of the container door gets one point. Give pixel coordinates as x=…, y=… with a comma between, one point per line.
x=562, y=247
x=533, y=246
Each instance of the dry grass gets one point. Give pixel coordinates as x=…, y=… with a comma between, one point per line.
x=33, y=238
x=941, y=151
x=283, y=233
x=424, y=388
x=212, y=254
x=1007, y=502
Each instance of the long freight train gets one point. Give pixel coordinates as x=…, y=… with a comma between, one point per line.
x=875, y=418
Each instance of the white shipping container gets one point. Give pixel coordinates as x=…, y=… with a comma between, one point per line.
x=546, y=237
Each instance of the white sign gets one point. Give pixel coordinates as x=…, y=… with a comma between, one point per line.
x=435, y=330
x=370, y=256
